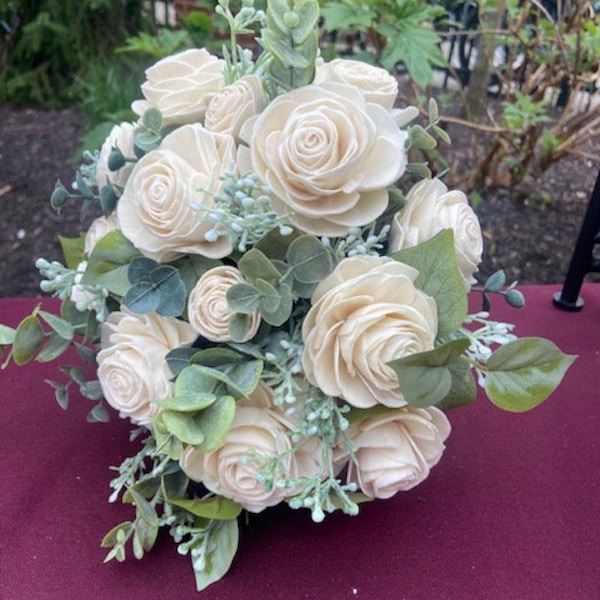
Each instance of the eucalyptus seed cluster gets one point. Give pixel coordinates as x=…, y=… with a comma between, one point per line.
x=359, y=241
x=242, y=212
x=59, y=280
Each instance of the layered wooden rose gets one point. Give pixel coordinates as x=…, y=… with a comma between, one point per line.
x=181, y=86
x=395, y=451
x=367, y=313
x=430, y=208
x=328, y=155
x=132, y=366
x=237, y=469
x=160, y=210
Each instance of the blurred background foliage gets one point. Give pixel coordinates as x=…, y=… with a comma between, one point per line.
x=537, y=58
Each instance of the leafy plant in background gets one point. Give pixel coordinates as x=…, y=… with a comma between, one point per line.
x=547, y=81
x=397, y=31
x=48, y=44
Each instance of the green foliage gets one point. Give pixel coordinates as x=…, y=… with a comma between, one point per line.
x=291, y=40
x=522, y=374
x=440, y=377
x=50, y=43
x=154, y=288
x=274, y=282
x=108, y=263
x=398, y=32
x=161, y=45
x=524, y=112
x=439, y=276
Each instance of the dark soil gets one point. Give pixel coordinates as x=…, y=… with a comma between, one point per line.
x=531, y=240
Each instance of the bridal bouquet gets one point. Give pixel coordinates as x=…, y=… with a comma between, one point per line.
x=275, y=295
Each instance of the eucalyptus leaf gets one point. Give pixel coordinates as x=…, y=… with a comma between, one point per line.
x=213, y=507
x=54, y=347
x=495, y=282
x=284, y=310
x=98, y=414
x=196, y=379
x=183, y=426
x=440, y=277
x=152, y=119
x=215, y=421
x=524, y=372
x=275, y=245
x=189, y=403
x=224, y=538
x=112, y=537
x=108, y=263
x=243, y=298
x=108, y=199
x=73, y=250
x=155, y=288
x=29, y=337
x=7, y=335
x=217, y=356
x=166, y=442
x=427, y=379
x=270, y=299
x=179, y=358
x=61, y=327
x=239, y=326
x=310, y=260
x=254, y=264
x=245, y=374
x=92, y=390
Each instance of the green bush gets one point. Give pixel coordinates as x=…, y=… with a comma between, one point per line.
x=47, y=45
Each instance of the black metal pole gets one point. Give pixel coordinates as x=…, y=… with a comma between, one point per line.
x=582, y=260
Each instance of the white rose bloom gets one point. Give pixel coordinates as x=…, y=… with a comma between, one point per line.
x=376, y=84
x=395, y=451
x=232, y=106
x=121, y=137
x=132, y=368
x=429, y=209
x=257, y=430
x=366, y=313
x=208, y=311
x=181, y=86
x=328, y=155
x=156, y=210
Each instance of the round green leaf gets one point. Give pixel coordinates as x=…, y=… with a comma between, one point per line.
x=523, y=373
x=28, y=339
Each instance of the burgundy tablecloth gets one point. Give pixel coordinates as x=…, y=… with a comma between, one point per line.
x=512, y=511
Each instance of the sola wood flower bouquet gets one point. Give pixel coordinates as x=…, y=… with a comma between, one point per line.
x=269, y=298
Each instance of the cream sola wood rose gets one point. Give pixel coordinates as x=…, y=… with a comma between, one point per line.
x=431, y=207
x=240, y=469
x=366, y=313
x=132, y=366
x=327, y=155
x=375, y=84
x=233, y=105
x=208, y=310
x=160, y=209
x=395, y=451
x=180, y=86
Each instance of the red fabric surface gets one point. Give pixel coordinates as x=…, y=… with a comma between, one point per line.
x=512, y=510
